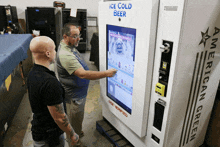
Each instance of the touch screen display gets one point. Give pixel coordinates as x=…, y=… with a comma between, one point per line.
x=121, y=56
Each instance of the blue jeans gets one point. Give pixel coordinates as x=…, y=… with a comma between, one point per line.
x=45, y=144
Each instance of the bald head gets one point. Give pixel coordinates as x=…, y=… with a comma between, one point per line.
x=41, y=44
x=42, y=47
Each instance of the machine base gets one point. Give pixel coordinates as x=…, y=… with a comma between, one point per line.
x=105, y=128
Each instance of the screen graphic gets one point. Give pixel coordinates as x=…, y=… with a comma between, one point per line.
x=121, y=56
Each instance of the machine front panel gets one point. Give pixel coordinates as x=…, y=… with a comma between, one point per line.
x=125, y=28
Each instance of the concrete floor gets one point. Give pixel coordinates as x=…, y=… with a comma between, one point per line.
x=19, y=134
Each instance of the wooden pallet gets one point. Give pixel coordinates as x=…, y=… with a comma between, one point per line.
x=105, y=128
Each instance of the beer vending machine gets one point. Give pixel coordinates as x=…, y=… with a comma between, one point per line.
x=167, y=56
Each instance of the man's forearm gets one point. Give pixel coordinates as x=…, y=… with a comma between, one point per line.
x=94, y=75
x=63, y=122
x=65, y=125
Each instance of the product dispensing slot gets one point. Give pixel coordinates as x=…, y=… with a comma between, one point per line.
x=164, y=71
x=155, y=138
x=158, y=114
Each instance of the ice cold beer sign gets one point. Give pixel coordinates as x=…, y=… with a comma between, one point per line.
x=120, y=9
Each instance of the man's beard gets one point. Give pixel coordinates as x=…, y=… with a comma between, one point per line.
x=74, y=45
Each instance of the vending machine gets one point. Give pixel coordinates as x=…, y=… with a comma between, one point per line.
x=127, y=42
x=167, y=57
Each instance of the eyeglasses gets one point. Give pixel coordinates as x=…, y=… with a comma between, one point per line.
x=76, y=36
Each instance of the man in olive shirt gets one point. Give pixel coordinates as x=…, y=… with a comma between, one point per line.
x=74, y=75
x=46, y=96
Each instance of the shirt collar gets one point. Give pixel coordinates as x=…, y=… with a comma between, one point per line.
x=67, y=47
x=43, y=68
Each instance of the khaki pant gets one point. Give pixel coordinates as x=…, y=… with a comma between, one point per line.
x=75, y=113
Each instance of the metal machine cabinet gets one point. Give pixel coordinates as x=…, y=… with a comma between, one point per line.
x=94, y=55
x=9, y=18
x=47, y=20
x=42, y=19
x=82, y=20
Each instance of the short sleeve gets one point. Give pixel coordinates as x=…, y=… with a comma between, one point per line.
x=52, y=92
x=69, y=62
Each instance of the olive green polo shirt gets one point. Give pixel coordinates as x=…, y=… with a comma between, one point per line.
x=67, y=59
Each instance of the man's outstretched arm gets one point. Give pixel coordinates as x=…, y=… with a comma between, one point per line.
x=94, y=75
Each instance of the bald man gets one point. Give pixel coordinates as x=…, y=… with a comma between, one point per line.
x=46, y=97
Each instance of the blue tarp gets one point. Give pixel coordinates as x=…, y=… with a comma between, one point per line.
x=13, y=49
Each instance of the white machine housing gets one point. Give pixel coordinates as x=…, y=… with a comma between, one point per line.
x=193, y=27
x=144, y=20
x=192, y=30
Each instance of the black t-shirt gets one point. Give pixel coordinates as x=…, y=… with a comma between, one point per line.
x=44, y=90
